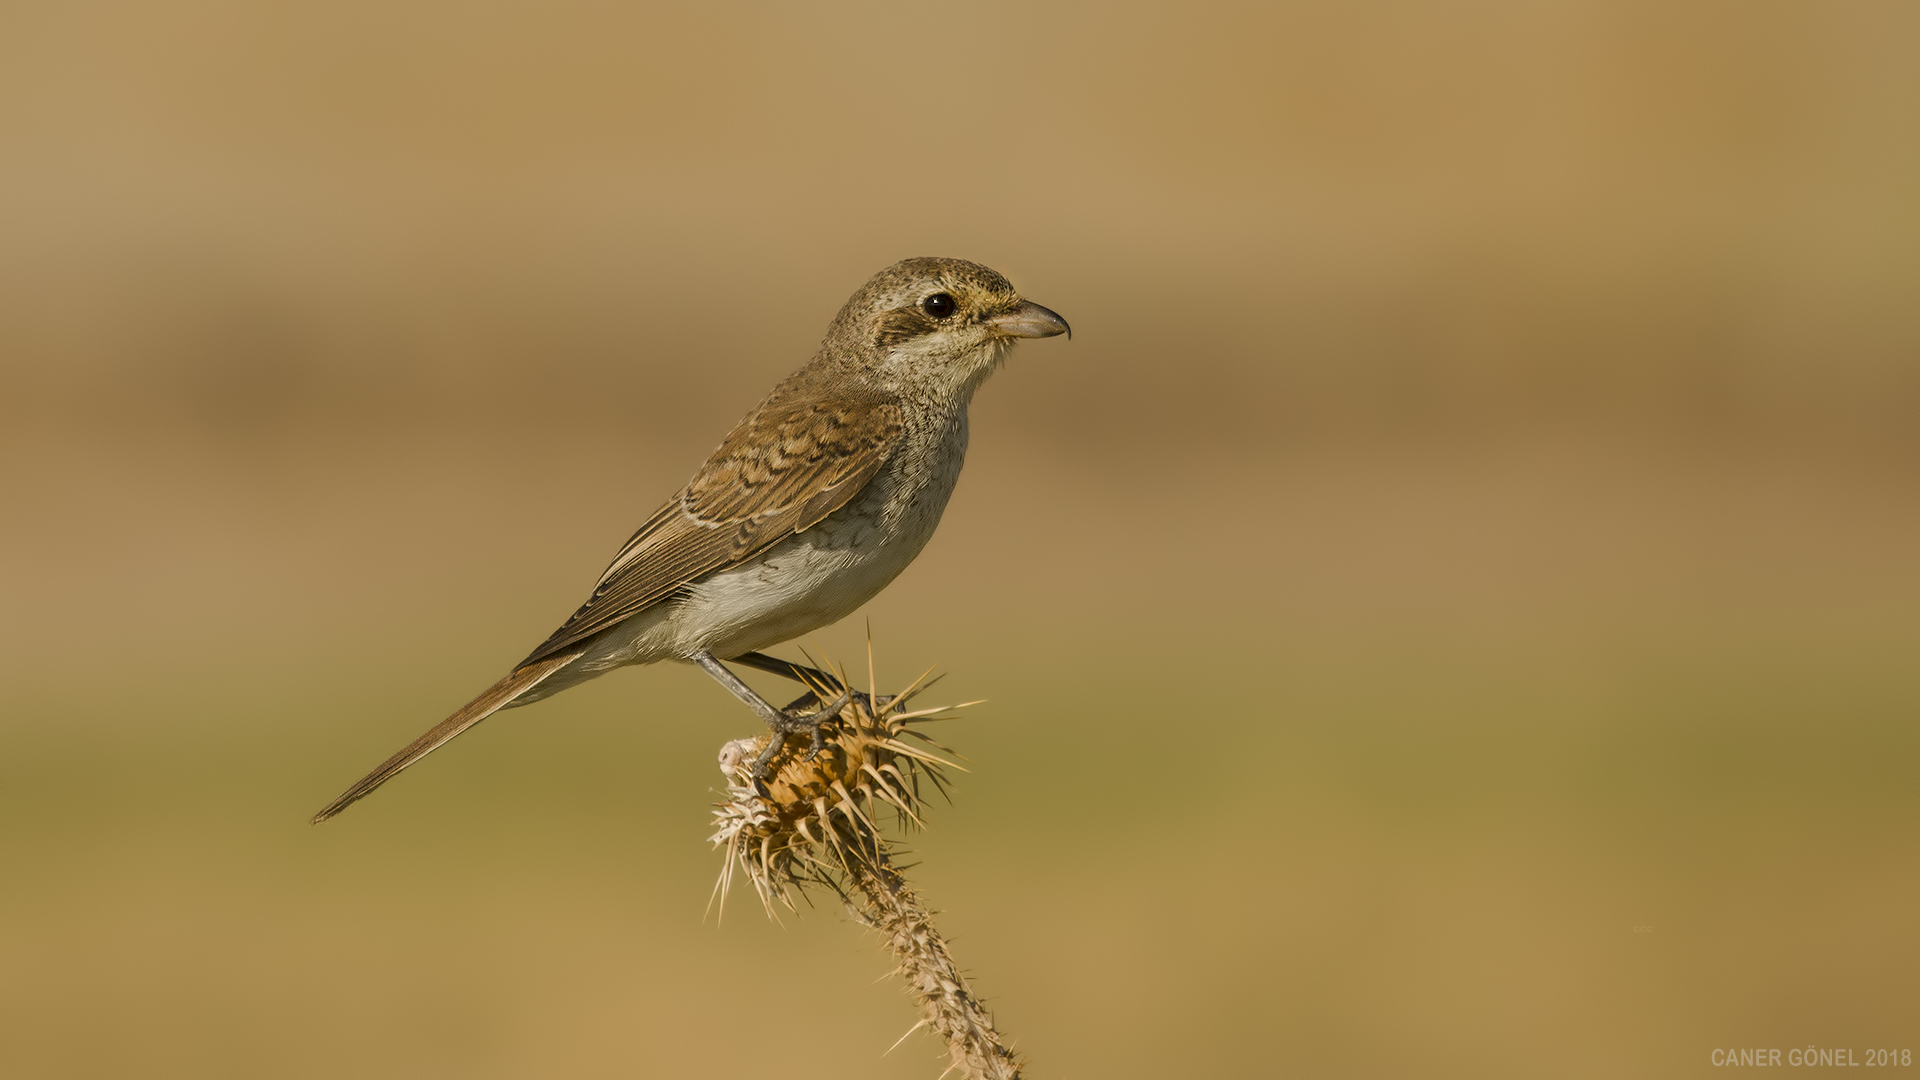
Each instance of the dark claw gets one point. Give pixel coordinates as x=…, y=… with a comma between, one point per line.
x=791, y=724
x=794, y=722
x=759, y=770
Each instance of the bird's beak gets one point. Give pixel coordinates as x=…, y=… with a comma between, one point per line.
x=1029, y=319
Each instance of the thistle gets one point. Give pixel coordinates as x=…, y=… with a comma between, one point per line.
x=816, y=821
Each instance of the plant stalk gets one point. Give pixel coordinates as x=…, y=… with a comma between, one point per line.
x=947, y=1003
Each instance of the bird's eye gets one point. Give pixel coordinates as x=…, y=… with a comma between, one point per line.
x=939, y=305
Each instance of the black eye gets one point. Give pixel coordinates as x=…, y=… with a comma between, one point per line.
x=939, y=305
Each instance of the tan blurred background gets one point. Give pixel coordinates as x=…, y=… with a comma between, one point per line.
x=1474, y=522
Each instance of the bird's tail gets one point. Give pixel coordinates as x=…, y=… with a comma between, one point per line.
x=496, y=697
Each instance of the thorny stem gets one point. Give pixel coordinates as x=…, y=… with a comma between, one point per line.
x=947, y=1004
x=813, y=822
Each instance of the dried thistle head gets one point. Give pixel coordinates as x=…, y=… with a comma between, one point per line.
x=817, y=814
x=815, y=820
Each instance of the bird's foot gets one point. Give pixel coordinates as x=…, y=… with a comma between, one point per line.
x=794, y=722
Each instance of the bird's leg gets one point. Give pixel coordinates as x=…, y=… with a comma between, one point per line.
x=786, y=669
x=784, y=722
x=809, y=677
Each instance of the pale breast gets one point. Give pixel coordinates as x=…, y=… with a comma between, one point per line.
x=822, y=575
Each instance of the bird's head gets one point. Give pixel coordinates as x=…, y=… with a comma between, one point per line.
x=943, y=323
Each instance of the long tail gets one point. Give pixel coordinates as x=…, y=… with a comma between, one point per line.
x=496, y=697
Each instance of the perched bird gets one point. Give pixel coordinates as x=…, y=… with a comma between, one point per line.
x=818, y=499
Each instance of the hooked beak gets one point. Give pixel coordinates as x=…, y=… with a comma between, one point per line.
x=1029, y=320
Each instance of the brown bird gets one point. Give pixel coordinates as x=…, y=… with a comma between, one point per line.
x=818, y=499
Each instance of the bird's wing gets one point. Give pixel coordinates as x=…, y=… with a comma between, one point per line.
x=793, y=461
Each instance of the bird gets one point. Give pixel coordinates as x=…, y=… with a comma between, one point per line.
x=814, y=502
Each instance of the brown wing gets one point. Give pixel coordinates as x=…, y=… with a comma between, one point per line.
x=793, y=461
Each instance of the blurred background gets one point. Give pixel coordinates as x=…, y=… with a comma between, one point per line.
x=1450, y=611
